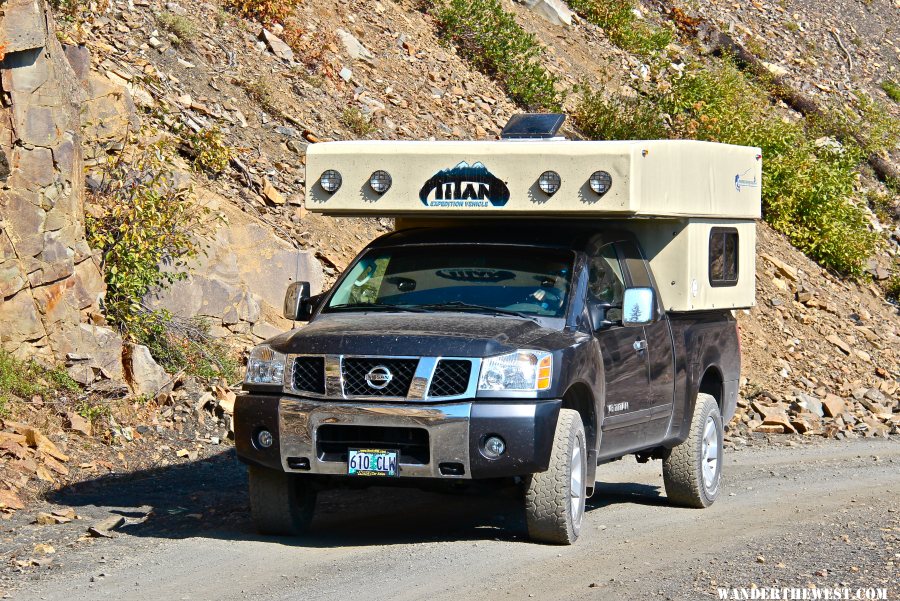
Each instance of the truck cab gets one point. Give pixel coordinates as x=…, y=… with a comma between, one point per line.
x=499, y=351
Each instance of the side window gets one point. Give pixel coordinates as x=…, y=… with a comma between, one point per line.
x=723, y=256
x=606, y=285
x=634, y=262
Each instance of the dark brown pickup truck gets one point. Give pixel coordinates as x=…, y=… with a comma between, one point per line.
x=502, y=354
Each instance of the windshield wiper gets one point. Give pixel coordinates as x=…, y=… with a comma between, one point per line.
x=380, y=307
x=479, y=308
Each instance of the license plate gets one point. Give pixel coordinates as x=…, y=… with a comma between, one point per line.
x=373, y=462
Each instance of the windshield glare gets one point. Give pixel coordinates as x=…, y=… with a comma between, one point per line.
x=533, y=281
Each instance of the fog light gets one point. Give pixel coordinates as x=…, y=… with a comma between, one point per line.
x=493, y=447
x=549, y=182
x=330, y=181
x=601, y=181
x=380, y=181
x=264, y=439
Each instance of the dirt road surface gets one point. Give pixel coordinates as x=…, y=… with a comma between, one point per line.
x=825, y=514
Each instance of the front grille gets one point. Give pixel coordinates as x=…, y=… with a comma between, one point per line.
x=309, y=374
x=356, y=368
x=451, y=378
x=332, y=442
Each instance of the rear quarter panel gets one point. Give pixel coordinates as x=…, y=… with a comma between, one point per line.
x=703, y=341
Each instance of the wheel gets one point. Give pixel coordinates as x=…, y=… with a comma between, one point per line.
x=692, y=471
x=281, y=504
x=554, y=500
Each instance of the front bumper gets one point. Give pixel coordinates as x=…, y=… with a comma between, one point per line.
x=454, y=434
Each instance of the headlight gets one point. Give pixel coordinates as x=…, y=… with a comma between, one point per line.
x=521, y=370
x=265, y=366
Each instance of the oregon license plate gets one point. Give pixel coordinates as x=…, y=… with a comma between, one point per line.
x=373, y=462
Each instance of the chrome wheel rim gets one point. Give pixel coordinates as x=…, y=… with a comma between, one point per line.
x=710, y=455
x=576, y=489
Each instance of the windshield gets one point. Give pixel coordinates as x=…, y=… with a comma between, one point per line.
x=483, y=279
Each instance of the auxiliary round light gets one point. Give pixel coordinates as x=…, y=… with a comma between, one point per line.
x=601, y=182
x=264, y=439
x=493, y=447
x=549, y=182
x=330, y=181
x=380, y=181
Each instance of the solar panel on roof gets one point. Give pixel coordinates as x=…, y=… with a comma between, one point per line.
x=533, y=125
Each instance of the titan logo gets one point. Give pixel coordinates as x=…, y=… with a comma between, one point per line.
x=616, y=407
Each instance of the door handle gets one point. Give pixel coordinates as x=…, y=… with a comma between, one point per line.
x=640, y=345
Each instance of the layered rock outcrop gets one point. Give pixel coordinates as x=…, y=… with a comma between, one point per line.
x=49, y=282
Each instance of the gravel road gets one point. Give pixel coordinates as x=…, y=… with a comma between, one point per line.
x=825, y=514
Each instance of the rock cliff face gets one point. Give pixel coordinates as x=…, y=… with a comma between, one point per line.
x=49, y=282
x=59, y=116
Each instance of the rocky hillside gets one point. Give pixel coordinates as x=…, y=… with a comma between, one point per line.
x=230, y=107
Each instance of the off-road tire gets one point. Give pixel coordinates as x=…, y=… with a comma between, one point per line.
x=281, y=504
x=548, y=499
x=683, y=465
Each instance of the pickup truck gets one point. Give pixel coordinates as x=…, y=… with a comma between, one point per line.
x=508, y=353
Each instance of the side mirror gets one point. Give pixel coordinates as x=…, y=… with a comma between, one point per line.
x=638, y=307
x=604, y=315
x=296, y=301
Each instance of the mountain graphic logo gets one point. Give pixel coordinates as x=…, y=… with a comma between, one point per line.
x=464, y=186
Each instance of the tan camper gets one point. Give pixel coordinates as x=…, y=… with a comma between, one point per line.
x=684, y=199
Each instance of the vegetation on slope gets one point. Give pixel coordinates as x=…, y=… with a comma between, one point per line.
x=491, y=40
x=23, y=380
x=619, y=19
x=808, y=179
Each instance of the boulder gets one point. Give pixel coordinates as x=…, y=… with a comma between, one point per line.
x=354, y=47
x=242, y=275
x=145, y=376
x=277, y=45
x=833, y=405
x=554, y=11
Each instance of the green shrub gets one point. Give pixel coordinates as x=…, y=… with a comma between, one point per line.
x=892, y=89
x=355, y=121
x=883, y=205
x=618, y=118
x=892, y=288
x=185, y=345
x=624, y=28
x=145, y=231
x=261, y=91
x=864, y=120
x=211, y=152
x=93, y=412
x=808, y=188
x=180, y=27
x=264, y=11
x=24, y=379
x=491, y=40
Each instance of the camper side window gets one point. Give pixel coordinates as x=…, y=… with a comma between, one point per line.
x=723, y=256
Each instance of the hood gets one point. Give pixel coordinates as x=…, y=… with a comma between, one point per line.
x=415, y=334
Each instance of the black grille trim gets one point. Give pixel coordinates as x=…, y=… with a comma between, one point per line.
x=356, y=368
x=334, y=440
x=309, y=374
x=451, y=378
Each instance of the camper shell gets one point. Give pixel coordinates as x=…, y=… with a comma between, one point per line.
x=543, y=307
x=678, y=196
